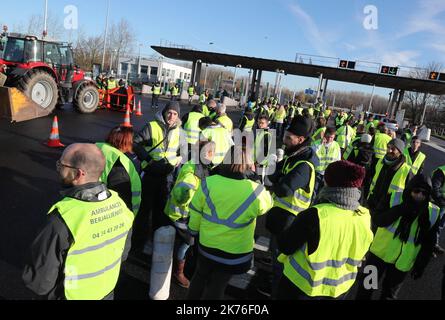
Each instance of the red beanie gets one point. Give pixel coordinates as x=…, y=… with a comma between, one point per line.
x=344, y=174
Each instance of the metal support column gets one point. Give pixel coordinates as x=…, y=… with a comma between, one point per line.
x=258, y=84
x=320, y=84
x=395, y=96
x=253, y=82
x=325, y=89
x=198, y=74
x=398, y=106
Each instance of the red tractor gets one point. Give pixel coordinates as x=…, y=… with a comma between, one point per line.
x=45, y=72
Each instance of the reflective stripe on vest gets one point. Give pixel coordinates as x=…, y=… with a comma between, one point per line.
x=260, y=148
x=381, y=141
x=99, y=230
x=401, y=254
x=230, y=262
x=344, y=136
x=157, y=135
x=345, y=237
x=191, y=128
x=353, y=146
x=230, y=222
x=111, y=156
x=222, y=139
x=188, y=181
x=300, y=200
x=325, y=158
x=420, y=159
x=397, y=184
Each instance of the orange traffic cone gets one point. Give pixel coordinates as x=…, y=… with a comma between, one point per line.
x=127, y=121
x=139, y=110
x=54, y=139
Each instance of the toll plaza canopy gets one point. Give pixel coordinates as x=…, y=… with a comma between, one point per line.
x=306, y=70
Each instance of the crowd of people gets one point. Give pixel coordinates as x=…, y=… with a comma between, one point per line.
x=339, y=193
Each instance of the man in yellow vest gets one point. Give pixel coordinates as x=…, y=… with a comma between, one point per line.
x=156, y=89
x=438, y=182
x=380, y=143
x=264, y=142
x=389, y=178
x=175, y=92
x=326, y=243
x=191, y=92
x=404, y=241
x=223, y=119
x=293, y=184
x=190, y=124
x=112, y=83
x=327, y=151
x=78, y=254
x=414, y=157
x=156, y=146
x=345, y=135
x=247, y=122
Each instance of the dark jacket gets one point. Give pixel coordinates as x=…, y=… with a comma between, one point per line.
x=380, y=199
x=438, y=181
x=143, y=139
x=44, y=270
x=285, y=185
x=409, y=211
x=247, y=116
x=364, y=156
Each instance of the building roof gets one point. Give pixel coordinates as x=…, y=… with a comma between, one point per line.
x=306, y=70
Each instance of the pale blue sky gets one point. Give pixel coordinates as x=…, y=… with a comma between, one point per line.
x=409, y=33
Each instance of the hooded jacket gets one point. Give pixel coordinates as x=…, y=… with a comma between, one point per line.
x=409, y=210
x=143, y=139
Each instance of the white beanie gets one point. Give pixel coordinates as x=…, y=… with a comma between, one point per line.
x=366, y=138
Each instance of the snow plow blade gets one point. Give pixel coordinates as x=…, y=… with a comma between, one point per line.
x=17, y=107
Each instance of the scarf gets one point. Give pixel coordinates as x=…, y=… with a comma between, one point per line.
x=344, y=198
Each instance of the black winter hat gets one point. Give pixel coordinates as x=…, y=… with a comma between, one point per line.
x=301, y=126
x=174, y=105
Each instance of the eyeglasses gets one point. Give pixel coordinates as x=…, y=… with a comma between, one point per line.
x=59, y=166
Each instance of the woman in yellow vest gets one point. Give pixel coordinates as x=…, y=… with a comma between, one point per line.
x=326, y=243
x=177, y=208
x=404, y=241
x=122, y=168
x=223, y=213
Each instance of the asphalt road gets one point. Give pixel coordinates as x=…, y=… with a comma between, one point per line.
x=29, y=186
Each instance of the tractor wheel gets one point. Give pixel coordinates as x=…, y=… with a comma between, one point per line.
x=87, y=98
x=41, y=88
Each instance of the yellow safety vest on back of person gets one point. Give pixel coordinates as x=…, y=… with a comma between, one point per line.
x=381, y=141
x=397, y=184
x=191, y=127
x=401, y=254
x=249, y=124
x=222, y=139
x=226, y=122
x=191, y=91
x=99, y=230
x=227, y=223
x=161, y=151
x=352, y=147
x=345, y=237
x=175, y=91
x=344, y=136
x=301, y=199
x=157, y=90
x=420, y=159
x=111, y=156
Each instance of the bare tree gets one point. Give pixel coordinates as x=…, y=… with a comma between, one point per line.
x=122, y=38
x=35, y=26
x=416, y=102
